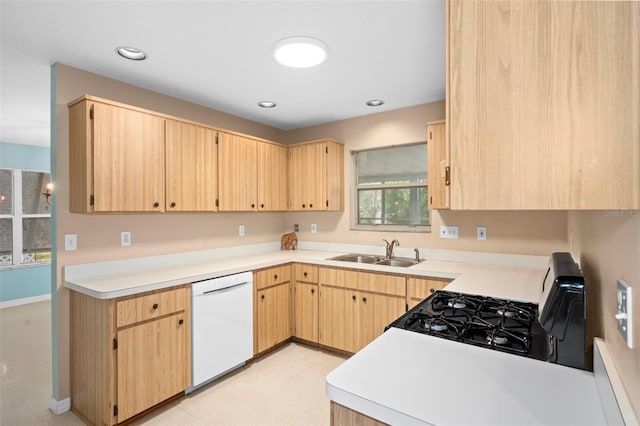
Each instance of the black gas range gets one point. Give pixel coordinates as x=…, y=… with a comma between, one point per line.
x=552, y=331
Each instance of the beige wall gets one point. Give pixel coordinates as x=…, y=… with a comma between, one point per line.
x=529, y=232
x=99, y=235
x=536, y=233
x=608, y=247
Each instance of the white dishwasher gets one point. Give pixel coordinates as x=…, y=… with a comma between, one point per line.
x=222, y=326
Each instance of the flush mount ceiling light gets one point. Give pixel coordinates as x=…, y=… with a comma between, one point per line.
x=131, y=53
x=266, y=104
x=300, y=52
x=375, y=102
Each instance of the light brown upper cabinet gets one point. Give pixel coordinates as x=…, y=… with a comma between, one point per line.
x=438, y=166
x=253, y=174
x=191, y=167
x=316, y=176
x=543, y=104
x=116, y=158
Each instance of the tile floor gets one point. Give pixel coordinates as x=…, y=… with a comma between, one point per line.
x=286, y=387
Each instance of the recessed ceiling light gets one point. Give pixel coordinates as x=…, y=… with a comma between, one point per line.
x=131, y=53
x=266, y=104
x=375, y=102
x=300, y=52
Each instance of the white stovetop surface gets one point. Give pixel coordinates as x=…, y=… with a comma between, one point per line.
x=406, y=378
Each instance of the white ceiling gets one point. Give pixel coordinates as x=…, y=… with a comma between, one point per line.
x=218, y=54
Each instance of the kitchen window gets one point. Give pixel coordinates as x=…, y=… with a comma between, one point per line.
x=391, y=188
x=25, y=217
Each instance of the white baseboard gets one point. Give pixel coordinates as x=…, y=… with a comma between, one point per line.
x=59, y=407
x=24, y=301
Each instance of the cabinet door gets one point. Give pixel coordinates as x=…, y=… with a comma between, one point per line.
x=153, y=363
x=438, y=166
x=237, y=176
x=191, y=167
x=376, y=312
x=128, y=160
x=273, y=316
x=335, y=176
x=339, y=318
x=273, y=177
x=419, y=289
x=307, y=176
x=542, y=104
x=306, y=311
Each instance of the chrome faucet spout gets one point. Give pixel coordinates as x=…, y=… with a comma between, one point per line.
x=389, y=249
x=417, y=254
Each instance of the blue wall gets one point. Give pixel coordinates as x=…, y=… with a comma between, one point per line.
x=18, y=283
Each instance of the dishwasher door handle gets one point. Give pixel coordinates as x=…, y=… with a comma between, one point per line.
x=218, y=290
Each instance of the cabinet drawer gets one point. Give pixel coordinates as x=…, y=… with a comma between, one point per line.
x=272, y=276
x=365, y=281
x=421, y=288
x=131, y=311
x=306, y=273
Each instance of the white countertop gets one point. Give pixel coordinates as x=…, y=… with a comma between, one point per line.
x=106, y=280
x=406, y=378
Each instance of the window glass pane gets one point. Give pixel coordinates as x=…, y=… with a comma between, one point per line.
x=370, y=207
x=33, y=185
x=393, y=206
x=6, y=191
x=6, y=242
x=405, y=164
x=36, y=240
x=422, y=204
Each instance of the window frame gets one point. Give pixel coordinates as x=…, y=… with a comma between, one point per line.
x=16, y=217
x=355, y=203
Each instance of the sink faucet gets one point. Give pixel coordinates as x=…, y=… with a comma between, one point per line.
x=390, y=246
x=417, y=254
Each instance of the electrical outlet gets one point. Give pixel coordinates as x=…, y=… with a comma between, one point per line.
x=125, y=238
x=482, y=233
x=449, y=232
x=241, y=230
x=314, y=228
x=70, y=242
x=296, y=228
x=623, y=311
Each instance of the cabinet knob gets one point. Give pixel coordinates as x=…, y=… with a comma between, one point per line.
x=431, y=291
x=253, y=206
x=364, y=299
x=181, y=322
x=353, y=297
x=275, y=277
x=262, y=297
x=305, y=274
x=155, y=306
x=310, y=206
x=156, y=204
x=262, y=206
x=173, y=204
x=304, y=205
x=313, y=290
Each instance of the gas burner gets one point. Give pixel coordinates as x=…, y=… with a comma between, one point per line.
x=437, y=326
x=506, y=312
x=456, y=303
x=498, y=339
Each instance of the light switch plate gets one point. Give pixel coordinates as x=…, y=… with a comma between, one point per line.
x=70, y=242
x=241, y=230
x=314, y=228
x=125, y=238
x=624, y=312
x=449, y=232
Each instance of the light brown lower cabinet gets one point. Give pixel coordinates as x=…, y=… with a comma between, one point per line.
x=306, y=302
x=419, y=289
x=128, y=354
x=272, y=303
x=341, y=415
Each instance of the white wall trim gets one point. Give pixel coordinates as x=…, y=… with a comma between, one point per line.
x=24, y=301
x=59, y=407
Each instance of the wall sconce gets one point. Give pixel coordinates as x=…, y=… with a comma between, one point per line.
x=48, y=193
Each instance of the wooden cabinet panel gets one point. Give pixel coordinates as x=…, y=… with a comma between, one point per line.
x=376, y=312
x=273, y=320
x=237, y=157
x=438, y=166
x=272, y=276
x=153, y=363
x=316, y=176
x=273, y=177
x=306, y=273
x=380, y=283
x=306, y=307
x=339, y=318
x=128, y=160
x=341, y=415
x=154, y=305
x=419, y=289
x=542, y=104
x=191, y=167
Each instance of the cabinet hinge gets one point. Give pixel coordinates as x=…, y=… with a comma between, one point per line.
x=216, y=202
x=406, y=307
x=327, y=203
x=216, y=139
x=115, y=343
x=91, y=200
x=115, y=410
x=447, y=175
x=326, y=149
x=91, y=113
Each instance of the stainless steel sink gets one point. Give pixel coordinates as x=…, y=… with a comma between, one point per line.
x=401, y=262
